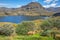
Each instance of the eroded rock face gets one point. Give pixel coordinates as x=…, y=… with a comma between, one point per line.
x=31, y=9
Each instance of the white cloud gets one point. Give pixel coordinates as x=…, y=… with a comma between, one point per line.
x=4, y=5
x=18, y=5
x=51, y=5
x=1, y=4
x=54, y=1
x=7, y=5
x=46, y=6
x=58, y=6
x=48, y=1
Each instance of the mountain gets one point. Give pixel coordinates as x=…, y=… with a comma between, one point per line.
x=52, y=9
x=31, y=9
x=7, y=11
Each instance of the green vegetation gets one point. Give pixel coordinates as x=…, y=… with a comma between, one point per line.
x=51, y=27
x=31, y=30
x=25, y=38
x=24, y=28
x=6, y=29
x=51, y=23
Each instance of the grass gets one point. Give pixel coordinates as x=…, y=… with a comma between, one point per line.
x=26, y=37
x=32, y=38
x=3, y=37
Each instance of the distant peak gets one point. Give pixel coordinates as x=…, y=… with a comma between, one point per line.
x=34, y=3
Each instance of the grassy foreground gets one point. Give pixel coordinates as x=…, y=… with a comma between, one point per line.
x=25, y=38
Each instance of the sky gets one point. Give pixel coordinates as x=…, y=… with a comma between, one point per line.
x=19, y=3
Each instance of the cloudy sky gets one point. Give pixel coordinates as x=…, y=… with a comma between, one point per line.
x=19, y=3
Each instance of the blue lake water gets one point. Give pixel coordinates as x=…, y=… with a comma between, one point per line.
x=18, y=19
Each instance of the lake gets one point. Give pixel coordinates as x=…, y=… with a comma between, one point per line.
x=18, y=19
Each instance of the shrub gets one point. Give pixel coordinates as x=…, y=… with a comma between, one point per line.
x=6, y=29
x=46, y=33
x=51, y=23
x=25, y=27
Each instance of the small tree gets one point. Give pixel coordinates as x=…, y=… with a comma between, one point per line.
x=25, y=27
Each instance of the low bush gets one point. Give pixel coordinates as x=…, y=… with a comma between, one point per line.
x=24, y=28
x=51, y=23
x=46, y=33
x=6, y=29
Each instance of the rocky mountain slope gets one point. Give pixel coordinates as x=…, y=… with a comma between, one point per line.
x=31, y=9
x=52, y=9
